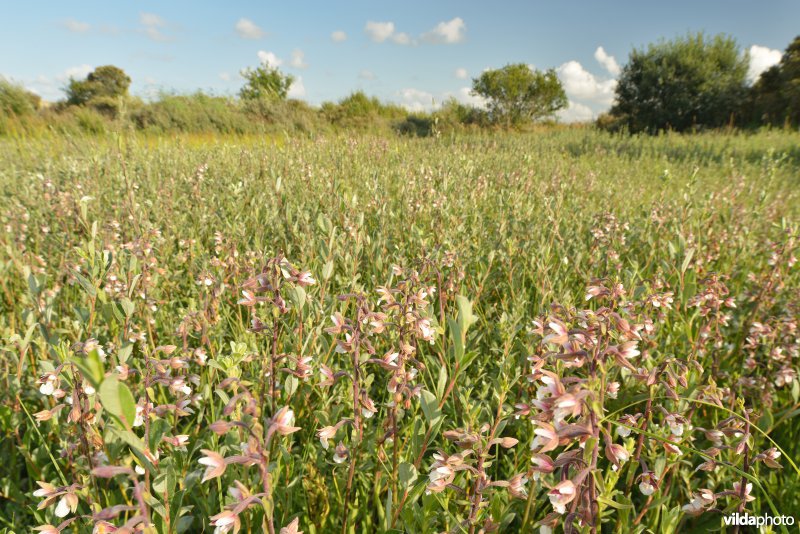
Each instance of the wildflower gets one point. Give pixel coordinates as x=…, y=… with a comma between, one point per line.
x=648, y=484
x=769, y=457
x=103, y=527
x=675, y=423
x=48, y=529
x=561, y=495
x=326, y=433
x=49, y=382
x=439, y=477
x=737, y=488
x=68, y=503
x=338, y=324
x=305, y=279
x=516, y=486
x=138, y=420
x=617, y=454
x=282, y=422
x=629, y=421
x=546, y=437
x=340, y=453
x=215, y=464
x=326, y=375
x=292, y=528
x=225, y=521
x=367, y=406
x=612, y=390
x=177, y=441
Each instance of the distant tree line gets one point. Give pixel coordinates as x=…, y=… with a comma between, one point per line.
x=688, y=83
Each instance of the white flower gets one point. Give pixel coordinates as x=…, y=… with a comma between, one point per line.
x=62, y=509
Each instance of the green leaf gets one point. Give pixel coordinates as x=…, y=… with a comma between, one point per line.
x=430, y=406
x=327, y=270
x=441, y=385
x=118, y=400
x=298, y=297
x=85, y=284
x=91, y=367
x=407, y=474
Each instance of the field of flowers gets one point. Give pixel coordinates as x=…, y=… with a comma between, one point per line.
x=557, y=332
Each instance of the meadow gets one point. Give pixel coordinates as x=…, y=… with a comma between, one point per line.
x=559, y=331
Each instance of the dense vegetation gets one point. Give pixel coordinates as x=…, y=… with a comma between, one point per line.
x=359, y=334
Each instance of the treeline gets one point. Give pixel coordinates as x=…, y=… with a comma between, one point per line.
x=690, y=83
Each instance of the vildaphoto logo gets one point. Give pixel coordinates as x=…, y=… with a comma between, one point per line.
x=743, y=520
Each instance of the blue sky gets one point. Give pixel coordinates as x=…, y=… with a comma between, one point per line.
x=411, y=52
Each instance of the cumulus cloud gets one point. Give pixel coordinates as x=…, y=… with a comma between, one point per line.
x=151, y=26
x=79, y=72
x=269, y=59
x=379, y=31
x=608, y=62
x=465, y=96
x=576, y=112
x=367, y=75
x=417, y=100
x=225, y=76
x=583, y=85
x=76, y=26
x=298, y=60
x=401, y=38
x=297, y=89
x=762, y=58
x=461, y=74
x=50, y=88
x=449, y=32
x=338, y=36
x=247, y=29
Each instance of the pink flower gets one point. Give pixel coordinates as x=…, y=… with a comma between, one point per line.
x=282, y=422
x=561, y=495
x=215, y=464
x=292, y=528
x=225, y=521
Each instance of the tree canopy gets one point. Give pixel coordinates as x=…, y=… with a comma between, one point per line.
x=517, y=93
x=775, y=97
x=265, y=82
x=681, y=84
x=106, y=82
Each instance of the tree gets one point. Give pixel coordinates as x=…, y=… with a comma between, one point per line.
x=516, y=93
x=775, y=97
x=265, y=82
x=689, y=82
x=104, y=83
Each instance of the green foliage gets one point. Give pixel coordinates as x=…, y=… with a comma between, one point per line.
x=361, y=112
x=16, y=100
x=687, y=83
x=106, y=82
x=105, y=90
x=198, y=112
x=142, y=245
x=265, y=82
x=775, y=97
x=517, y=94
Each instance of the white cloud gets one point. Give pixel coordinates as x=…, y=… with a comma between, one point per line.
x=761, y=58
x=461, y=74
x=583, y=85
x=608, y=62
x=225, y=76
x=379, y=31
x=449, y=32
x=247, y=29
x=338, y=36
x=298, y=60
x=417, y=100
x=367, y=75
x=401, y=38
x=269, y=59
x=150, y=26
x=51, y=88
x=576, y=112
x=76, y=26
x=79, y=72
x=297, y=89
x=465, y=96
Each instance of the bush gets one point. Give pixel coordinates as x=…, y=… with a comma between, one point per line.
x=197, y=112
x=16, y=100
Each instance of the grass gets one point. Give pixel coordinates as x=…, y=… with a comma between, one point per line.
x=502, y=226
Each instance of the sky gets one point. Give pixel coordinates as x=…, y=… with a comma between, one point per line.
x=413, y=53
